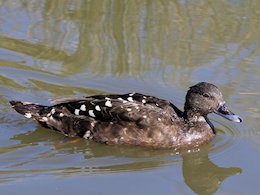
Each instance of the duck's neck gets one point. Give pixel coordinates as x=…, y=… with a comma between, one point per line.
x=192, y=116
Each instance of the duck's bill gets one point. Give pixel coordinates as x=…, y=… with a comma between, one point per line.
x=224, y=111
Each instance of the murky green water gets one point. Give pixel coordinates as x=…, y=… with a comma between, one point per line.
x=52, y=49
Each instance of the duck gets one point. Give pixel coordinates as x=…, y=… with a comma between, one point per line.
x=134, y=118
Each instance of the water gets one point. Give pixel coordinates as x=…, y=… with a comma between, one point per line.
x=51, y=49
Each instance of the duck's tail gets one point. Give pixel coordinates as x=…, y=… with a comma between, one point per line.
x=30, y=110
x=55, y=117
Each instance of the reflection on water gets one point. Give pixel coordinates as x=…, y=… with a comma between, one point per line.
x=131, y=38
x=73, y=48
x=59, y=155
x=208, y=175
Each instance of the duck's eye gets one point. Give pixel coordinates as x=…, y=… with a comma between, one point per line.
x=206, y=95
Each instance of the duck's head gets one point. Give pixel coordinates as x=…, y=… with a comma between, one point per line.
x=204, y=98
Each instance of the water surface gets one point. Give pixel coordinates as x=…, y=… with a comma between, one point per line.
x=51, y=49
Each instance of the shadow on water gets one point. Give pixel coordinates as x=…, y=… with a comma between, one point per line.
x=95, y=158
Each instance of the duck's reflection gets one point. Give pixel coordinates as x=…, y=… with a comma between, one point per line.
x=199, y=172
x=202, y=175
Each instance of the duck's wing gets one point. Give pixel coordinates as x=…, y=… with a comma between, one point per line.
x=127, y=107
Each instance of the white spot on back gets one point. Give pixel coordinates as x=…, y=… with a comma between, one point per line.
x=107, y=98
x=83, y=107
x=28, y=115
x=91, y=113
x=92, y=124
x=61, y=114
x=124, y=101
x=129, y=109
x=86, y=135
x=76, y=111
x=97, y=108
x=26, y=103
x=131, y=94
x=53, y=111
x=108, y=103
x=159, y=119
x=49, y=114
x=144, y=101
x=144, y=116
x=121, y=99
x=44, y=118
x=130, y=99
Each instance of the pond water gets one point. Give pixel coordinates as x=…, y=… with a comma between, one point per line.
x=51, y=49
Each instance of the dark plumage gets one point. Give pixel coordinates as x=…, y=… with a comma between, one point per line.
x=134, y=119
